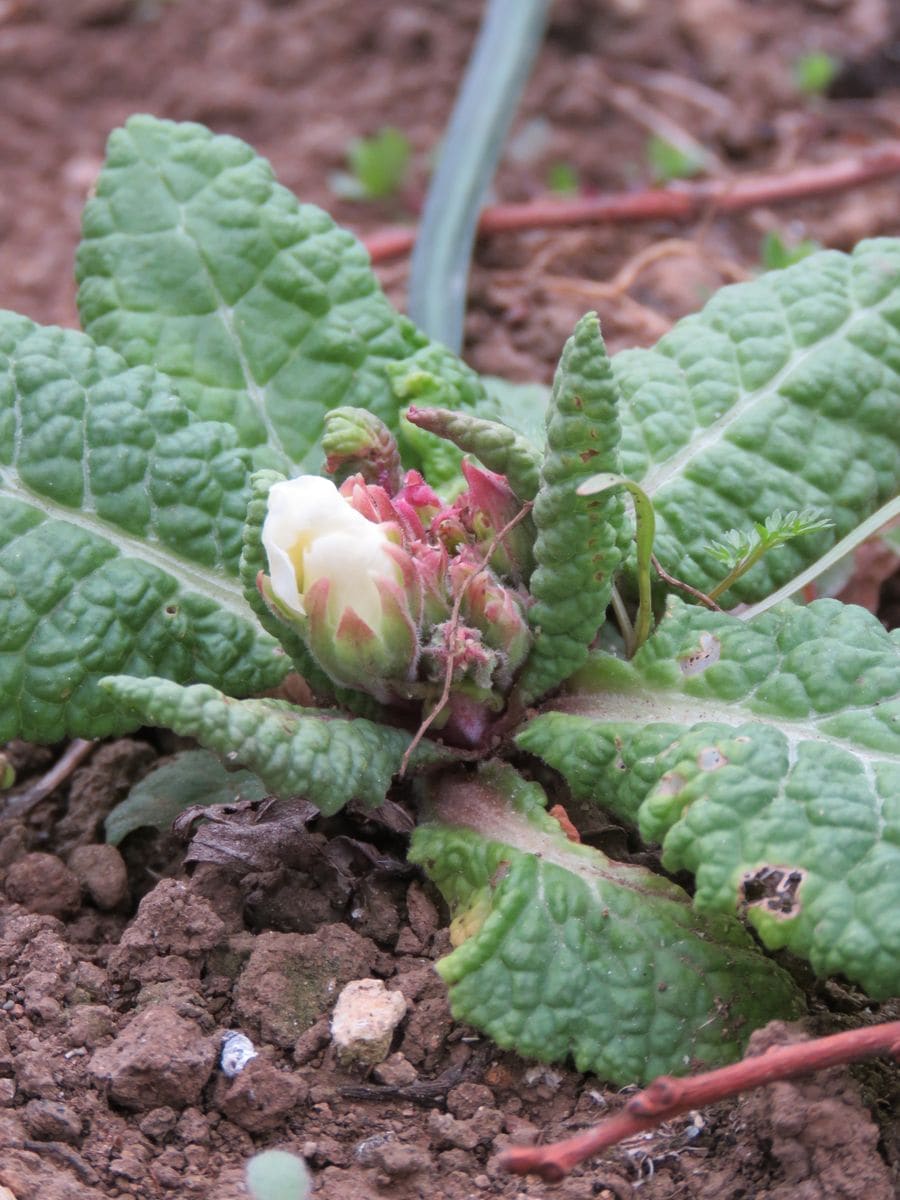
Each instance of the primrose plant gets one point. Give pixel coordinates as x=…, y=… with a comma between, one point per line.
x=170, y=549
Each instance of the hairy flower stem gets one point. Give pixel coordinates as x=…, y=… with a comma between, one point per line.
x=666, y=1096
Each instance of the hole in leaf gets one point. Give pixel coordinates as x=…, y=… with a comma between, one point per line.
x=774, y=889
x=698, y=660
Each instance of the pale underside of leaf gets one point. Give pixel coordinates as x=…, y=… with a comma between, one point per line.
x=766, y=759
x=568, y=953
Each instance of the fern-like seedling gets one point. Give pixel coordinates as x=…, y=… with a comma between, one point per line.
x=739, y=550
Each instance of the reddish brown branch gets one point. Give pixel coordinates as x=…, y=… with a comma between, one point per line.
x=666, y=1096
x=678, y=202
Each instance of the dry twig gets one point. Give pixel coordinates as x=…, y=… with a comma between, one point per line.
x=667, y=1097
x=679, y=202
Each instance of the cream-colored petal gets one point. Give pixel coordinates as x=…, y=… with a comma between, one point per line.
x=352, y=563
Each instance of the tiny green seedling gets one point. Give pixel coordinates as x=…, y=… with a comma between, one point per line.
x=668, y=161
x=739, y=551
x=484, y=578
x=775, y=253
x=378, y=167
x=563, y=179
x=813, y=73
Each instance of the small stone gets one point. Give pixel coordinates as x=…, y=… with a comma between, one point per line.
x=364, y=1020
x=396, y=1071
x=43, y=884
x=308, y=1044
x=237, y=1051
x=260, y=1097
x=50, y=1121
x=291, y=979
x=397, y=1159
x=465, y=1099
x=158, y=1059
x=34, y=1076
x=101, y=871
x=90, y=1024
x=158, y=1123
x=7, y=1092
x=171, y=921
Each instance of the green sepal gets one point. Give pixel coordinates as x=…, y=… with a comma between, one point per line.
x=581, y=540
x=435, y=377
x=494, y=444
x=765, y=756
x=355, y=441
x=562, y=952
x=326, y=757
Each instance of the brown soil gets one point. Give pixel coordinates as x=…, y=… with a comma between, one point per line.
x=119, y=973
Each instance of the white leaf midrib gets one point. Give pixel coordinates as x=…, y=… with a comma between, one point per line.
x=646, y=708
x=224, y=591
x=706, y=437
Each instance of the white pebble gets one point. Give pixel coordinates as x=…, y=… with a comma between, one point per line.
x=237, y=1050
x=364, y=1020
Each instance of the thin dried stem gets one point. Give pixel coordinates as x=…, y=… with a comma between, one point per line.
x=682, y=586
x=666, y=1096
x=680, y=202
x=452, y=626
x=76, y=752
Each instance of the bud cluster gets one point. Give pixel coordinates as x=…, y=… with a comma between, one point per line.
x=396, y=593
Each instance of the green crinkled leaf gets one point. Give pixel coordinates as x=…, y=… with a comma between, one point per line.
x=561, y=951
x=263, y=311
x=191, y=778
x=328, y=758
x=765, y=756
x=120, y=533
x=522, y=406
x=580, y=540
x=783, y=393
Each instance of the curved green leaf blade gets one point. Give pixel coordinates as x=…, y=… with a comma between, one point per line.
x=120, y=533
x=561, y=951
x=765, y=756
x=319, y=754
x=783, y=393
x=497, y=446
x=194, y=777
x=263, y=311
x=581, y=540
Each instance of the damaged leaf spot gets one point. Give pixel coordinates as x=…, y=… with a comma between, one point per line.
x=670, y=784
x=698, y=660
x=710, y=759
x=774, y=889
